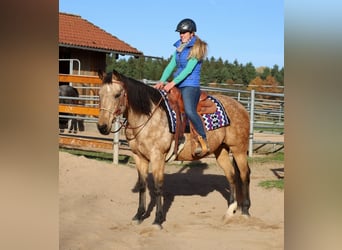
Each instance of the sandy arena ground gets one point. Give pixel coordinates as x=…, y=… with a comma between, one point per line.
x=97, y=204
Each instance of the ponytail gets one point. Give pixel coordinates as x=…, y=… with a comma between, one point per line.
x=199, y=50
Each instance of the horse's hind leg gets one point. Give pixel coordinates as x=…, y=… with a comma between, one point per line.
x=223, y=160
x=240, y=161
x=80, y=124
x=142, y=167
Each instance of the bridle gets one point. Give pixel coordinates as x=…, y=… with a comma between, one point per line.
x=123, y=103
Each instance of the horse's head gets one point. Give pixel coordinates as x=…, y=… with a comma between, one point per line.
x=113, y=100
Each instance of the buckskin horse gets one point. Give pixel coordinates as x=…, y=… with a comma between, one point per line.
x=148, y=133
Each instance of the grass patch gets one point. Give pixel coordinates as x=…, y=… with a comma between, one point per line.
x=279, y=184
x=275, y=157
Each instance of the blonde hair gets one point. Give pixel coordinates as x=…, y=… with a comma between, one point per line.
x=199, y=50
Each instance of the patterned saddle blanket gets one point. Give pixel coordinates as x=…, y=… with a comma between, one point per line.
x=212, y=121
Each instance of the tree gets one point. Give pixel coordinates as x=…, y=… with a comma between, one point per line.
x=266, y=72
x=278, y=75
x=256, y=84
x=248, y=73
x=217, y=71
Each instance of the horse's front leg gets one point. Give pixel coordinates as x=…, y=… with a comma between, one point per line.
x=142, y=167
x=158, y=178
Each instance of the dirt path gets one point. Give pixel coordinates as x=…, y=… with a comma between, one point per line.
x=97, y=204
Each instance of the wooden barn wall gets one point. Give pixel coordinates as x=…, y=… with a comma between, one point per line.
x=91, y=62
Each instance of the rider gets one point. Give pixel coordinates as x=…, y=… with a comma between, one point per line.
x=187, y=60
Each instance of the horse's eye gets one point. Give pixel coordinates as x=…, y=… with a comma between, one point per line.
x=117, y=96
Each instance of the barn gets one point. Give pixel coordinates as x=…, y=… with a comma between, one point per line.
x=83, y=46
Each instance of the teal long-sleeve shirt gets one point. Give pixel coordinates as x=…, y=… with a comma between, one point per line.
x=183, y=74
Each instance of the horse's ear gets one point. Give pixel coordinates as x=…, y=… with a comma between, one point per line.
x=116, y=75
x=101, y=74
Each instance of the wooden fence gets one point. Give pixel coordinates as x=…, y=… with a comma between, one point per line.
x=78, y=110
x=82, y=142
x=258, y=109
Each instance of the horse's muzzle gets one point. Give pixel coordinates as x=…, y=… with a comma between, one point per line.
x=103, y=129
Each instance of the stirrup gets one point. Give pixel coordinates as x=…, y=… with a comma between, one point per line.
x=171, y=156
x=203, y=148
x=181, y=144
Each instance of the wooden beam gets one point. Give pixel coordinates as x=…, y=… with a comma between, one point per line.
x=84, y=143
x=79, y=79
x=78, y=110
x=91, y=145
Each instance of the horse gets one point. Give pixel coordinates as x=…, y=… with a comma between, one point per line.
x=69, y=91
x=150, y=140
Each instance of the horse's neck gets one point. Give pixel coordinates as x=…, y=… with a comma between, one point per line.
x=134, y=119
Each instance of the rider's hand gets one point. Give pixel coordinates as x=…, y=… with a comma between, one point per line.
x=169, y=86
x=159, y=85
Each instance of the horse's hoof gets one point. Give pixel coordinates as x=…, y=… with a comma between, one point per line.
x=136, y=222
x=246, y=216
x=231, y=209
x=245, y=211
x=157, y=226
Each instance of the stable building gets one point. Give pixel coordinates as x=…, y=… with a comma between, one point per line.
x=83, y=46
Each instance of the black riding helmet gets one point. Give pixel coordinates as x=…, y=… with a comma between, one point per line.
x=186, y=25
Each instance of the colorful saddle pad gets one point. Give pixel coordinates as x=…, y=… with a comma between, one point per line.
x=212, y=121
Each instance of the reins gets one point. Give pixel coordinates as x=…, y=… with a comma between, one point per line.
x=141, y=126
x=122, y=125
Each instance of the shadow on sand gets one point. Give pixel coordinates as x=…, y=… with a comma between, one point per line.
x=189, y=180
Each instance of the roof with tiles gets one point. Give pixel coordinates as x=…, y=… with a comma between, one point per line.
x=80, y=33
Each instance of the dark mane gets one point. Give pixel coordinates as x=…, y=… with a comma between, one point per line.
x=140, y=96
x=107, y=78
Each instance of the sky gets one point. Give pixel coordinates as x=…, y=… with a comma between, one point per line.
x=249, y=31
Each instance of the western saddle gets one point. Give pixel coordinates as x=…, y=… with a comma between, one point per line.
x=204, y=106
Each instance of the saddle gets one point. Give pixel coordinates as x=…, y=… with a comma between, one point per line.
x=204, y=106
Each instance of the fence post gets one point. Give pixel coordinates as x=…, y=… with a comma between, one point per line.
x=116, y=141
x=251, y=123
